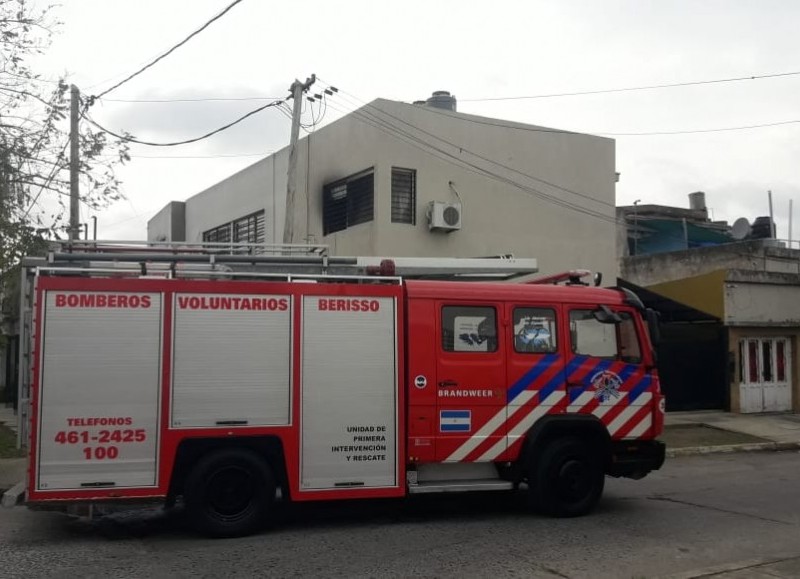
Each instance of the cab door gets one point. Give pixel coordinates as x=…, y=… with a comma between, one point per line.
x=605, y=373
x=535, y=367
x=470, y=380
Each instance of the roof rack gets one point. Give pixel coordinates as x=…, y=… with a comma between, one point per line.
x=571, y=277
x=241, y=260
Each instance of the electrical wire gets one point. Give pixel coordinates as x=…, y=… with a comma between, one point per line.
x=394, y=131
x=233, y=156
x=189, y=100
x=399, y=134
x=426, y=147
x=488, y=99
x=50, y=177
x=635, y=88
x=460, y=148
x=526, y=128
x=168, y=52
x=130, y=139
x=695, y=131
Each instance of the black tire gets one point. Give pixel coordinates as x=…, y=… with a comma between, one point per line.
x=567, y=480
x=229, y=493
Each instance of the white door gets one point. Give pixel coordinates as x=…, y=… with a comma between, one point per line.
x=765, y=375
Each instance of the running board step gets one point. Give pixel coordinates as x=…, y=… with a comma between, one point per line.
x=460, y=486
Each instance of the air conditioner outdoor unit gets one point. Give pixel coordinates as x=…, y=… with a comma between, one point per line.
x=444, y=216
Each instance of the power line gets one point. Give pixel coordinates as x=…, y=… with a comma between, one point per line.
x=426, y=147
x=190, y=100
x=50, y=177
x=487, y=99
x=635, y=88
x=130, y=139
x=233, y=156
x=223, y=156
x=526, y=128
x=392, y=130
x=689, y=132
x=484, y=158
x=170, y=51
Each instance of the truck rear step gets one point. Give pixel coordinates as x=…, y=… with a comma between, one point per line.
x=460, y=486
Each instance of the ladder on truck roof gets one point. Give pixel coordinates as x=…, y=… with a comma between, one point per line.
x=243, y=260
x=231, y=261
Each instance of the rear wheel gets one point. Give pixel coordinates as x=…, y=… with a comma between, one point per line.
x=567, y=480
x=229, y=492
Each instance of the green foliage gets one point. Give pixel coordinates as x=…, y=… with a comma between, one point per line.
x=34, y=137
x=8, y=444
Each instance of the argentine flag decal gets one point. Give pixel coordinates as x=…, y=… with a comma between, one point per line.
x=455, y=420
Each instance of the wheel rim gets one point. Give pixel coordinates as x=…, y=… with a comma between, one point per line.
x=574, y=480
x=230, y=491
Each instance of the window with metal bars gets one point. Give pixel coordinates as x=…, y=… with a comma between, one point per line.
x=348, y=202
x=404, y=196
x=247, y=229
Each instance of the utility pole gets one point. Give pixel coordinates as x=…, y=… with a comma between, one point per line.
x=74, y=164
x=772, y=229
x=297, y=89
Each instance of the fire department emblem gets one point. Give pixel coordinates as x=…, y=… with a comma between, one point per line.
x=607, y=385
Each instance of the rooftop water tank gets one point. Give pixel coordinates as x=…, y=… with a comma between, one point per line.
x=442, y=99
x=697, y=201
x=762, y=229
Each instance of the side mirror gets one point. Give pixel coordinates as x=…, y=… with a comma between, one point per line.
x=605, y=316
x=598, y=278
x=652, y=325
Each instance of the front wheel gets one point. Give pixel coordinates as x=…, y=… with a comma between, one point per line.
x=229, y=493
x=567, y=480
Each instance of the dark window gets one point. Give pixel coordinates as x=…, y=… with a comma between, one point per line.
x=221, y=234
x=469, y=329
x=404, y=196
x=752, y=356
x=766, y=351
x=247, y=229
x=348, y=202
x=534, y=330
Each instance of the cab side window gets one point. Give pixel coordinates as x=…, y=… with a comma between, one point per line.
x=469, y=329
x=593, y=338
x=535, y=330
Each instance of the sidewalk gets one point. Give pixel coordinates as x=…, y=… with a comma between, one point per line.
x=12, y=470
x=8, y=417
x=713, y=431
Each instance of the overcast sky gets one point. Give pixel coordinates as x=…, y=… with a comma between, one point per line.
x=405, y=50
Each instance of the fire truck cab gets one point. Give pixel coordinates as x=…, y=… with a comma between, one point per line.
x=226, y=389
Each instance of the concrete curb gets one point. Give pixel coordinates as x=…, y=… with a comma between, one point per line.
x=730, y=448
x=13, y=496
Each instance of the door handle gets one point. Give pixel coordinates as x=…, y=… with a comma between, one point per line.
x=447, y=383
x=574, y=385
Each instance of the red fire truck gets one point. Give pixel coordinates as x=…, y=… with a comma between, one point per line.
x=230, y=380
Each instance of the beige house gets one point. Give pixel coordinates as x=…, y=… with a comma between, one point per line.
x=397, y=179
x=752, y=290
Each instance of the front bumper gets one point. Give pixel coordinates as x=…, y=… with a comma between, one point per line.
x=635, y=458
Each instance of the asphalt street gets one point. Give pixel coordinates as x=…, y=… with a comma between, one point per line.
x=733, y=515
